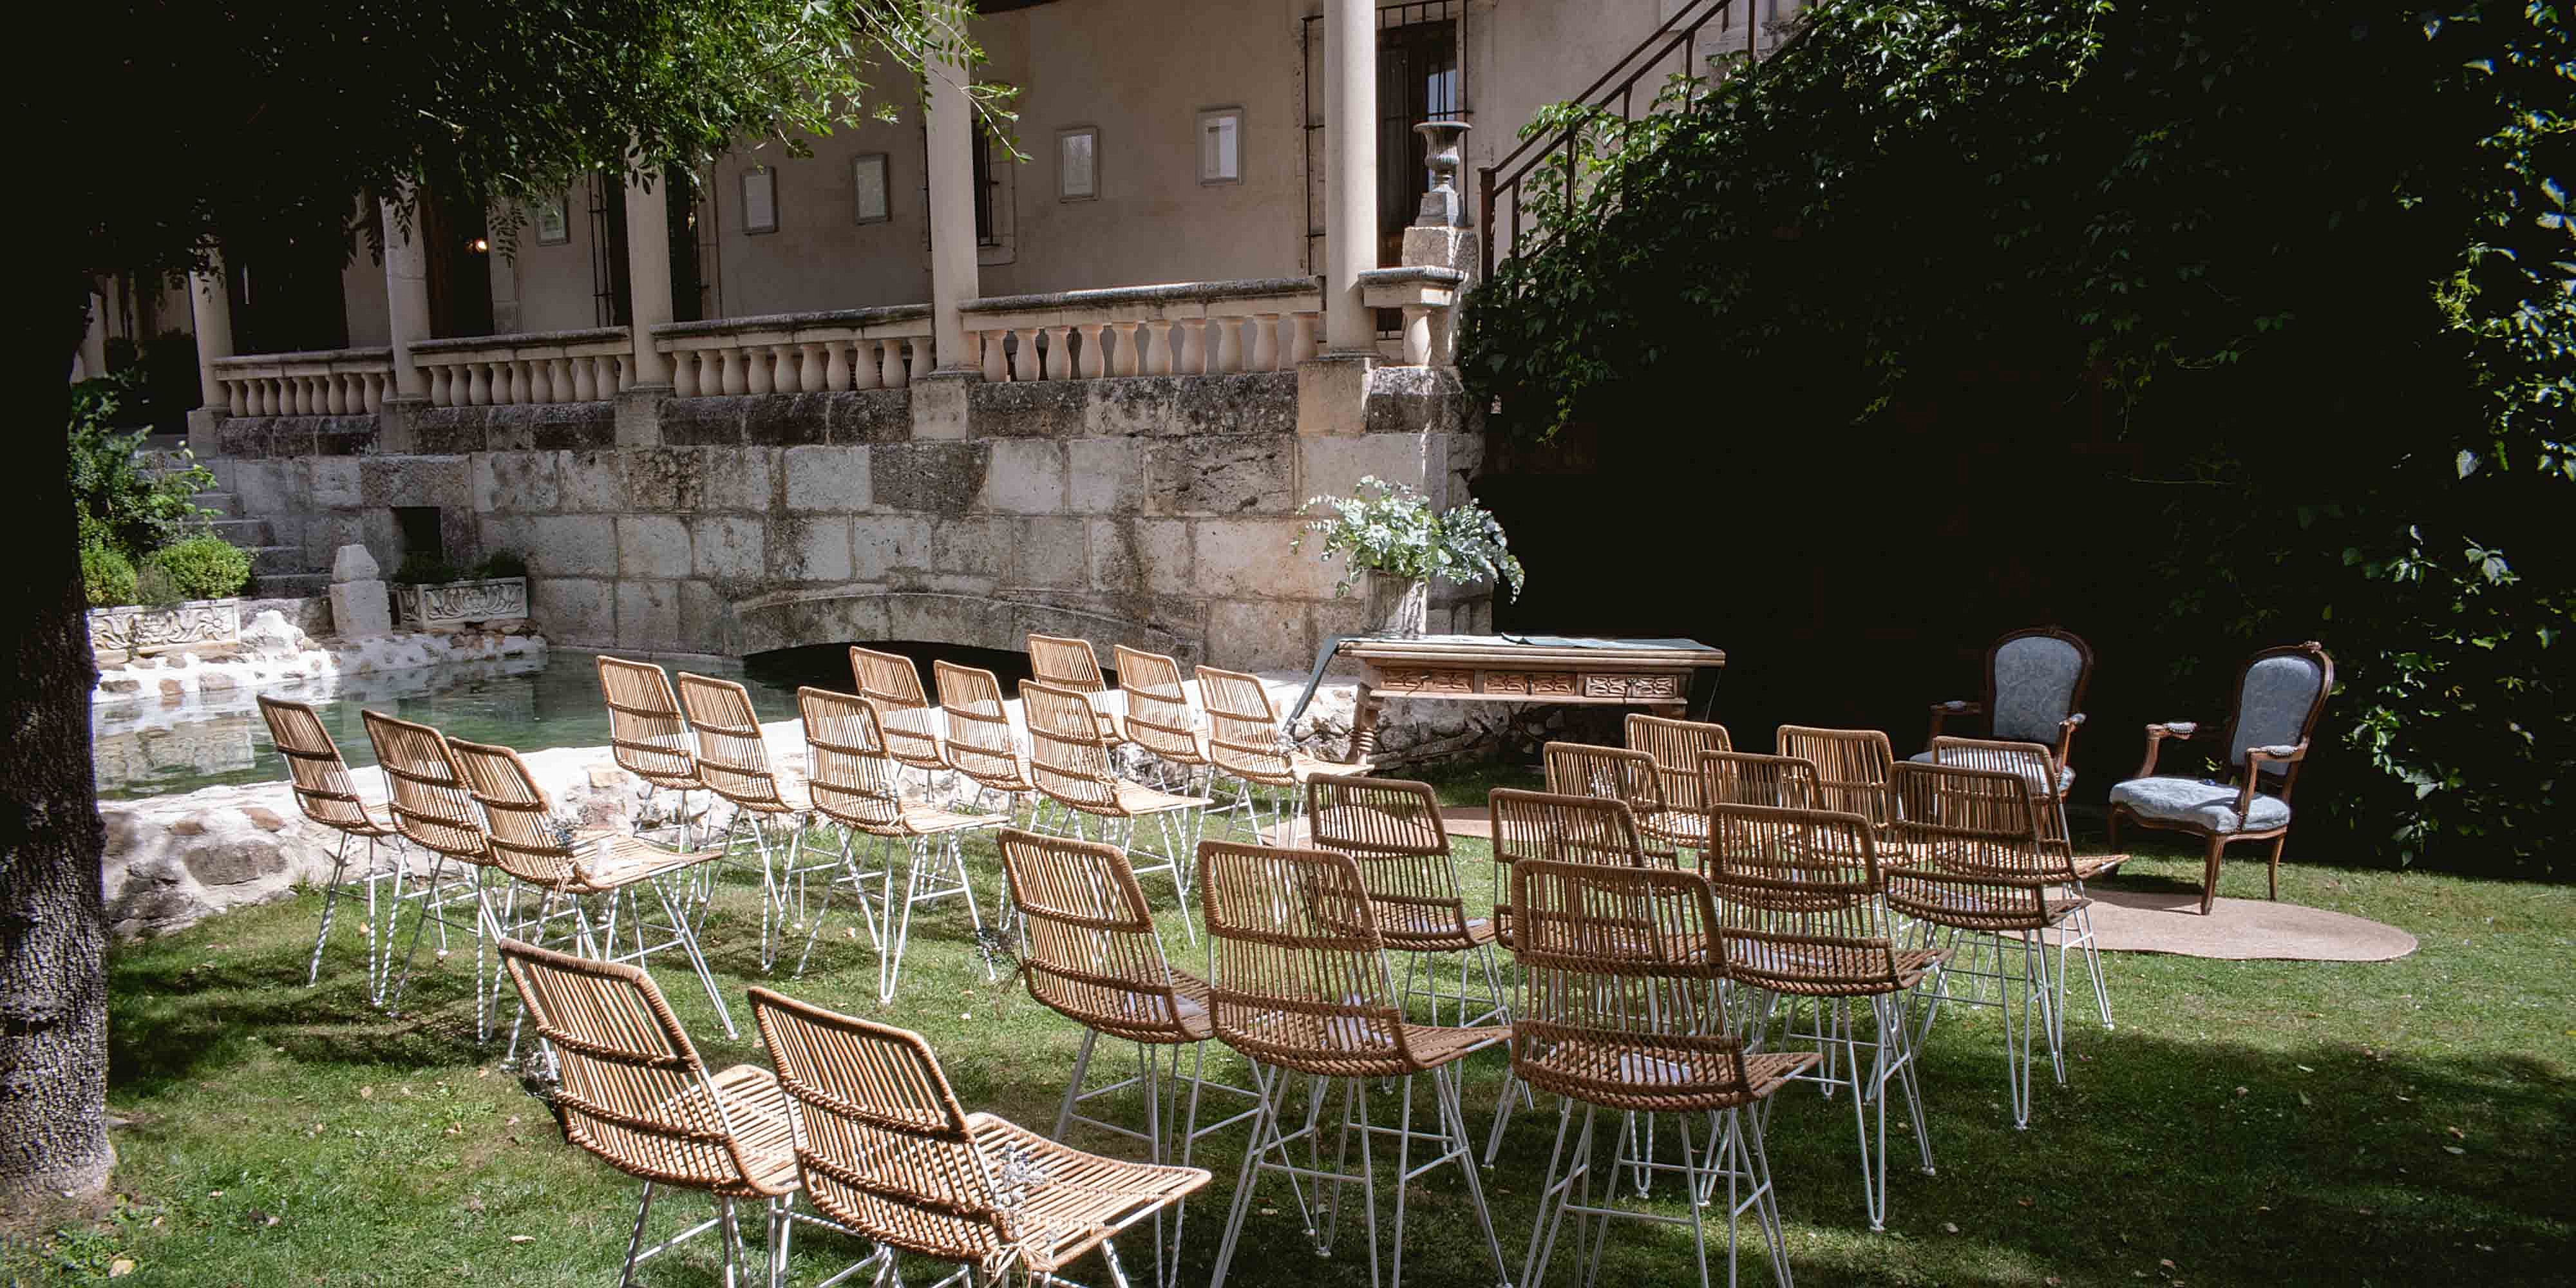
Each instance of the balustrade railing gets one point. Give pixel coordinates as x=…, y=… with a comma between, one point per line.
x=337, y=382
x=1427, y=296
x=1189, y=328
x=538, y=367
x=881, y=348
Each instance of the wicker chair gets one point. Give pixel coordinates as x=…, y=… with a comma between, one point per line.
x=2279, y=696
x=888, y=1155
x=1089, y=952
x=855, y=781
x=1984, y=894
x=635, y=1094
x=1246, y=745
x=1614, y=1017
x=1298, y=983
x=1581, y=769
x=1676, y=746
x=1550, y=827
x=1160, y=716
x=1804, y=920
x=569, y=867
x=912, y=725
x=1070, y=664
x=1071, y=760
x=2037, y=766
x=648, y=736
x=1855, y=774
x=326, y=795
x=432, y=809
x=1752, y=778
x=1392, y=829
x=2035, y=682
x=733, y=759
x=980, y=742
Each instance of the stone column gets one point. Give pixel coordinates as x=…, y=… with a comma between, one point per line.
x=648, y=276
x=950, y=134
x=406, y=300
x=211, y=306
x=1350, y=177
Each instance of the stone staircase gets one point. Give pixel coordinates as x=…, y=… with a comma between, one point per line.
x=277, y=571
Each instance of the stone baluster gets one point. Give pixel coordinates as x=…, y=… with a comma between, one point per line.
x=1159, y=355
x=994, y=356
x=684, y=373
x=737, y=369
x=616, y=373
x=566, y=383
x=864, y=371
x=1094, y=364
x=924, y=354
x=478, y=384
x=810, y=375
x=1123, y=362
x=1190, y=352
x=309, y=398
x=1261, y=351
x=836, y=365
x=1226, y=355
x=1301, y=342
x=335, y=394
x=1059, y=354
x=585, y=379
x=440, y=381
x=758, y=379
x=891, y=372
x=1024, y=361
x=1417, y=334
x=540, y=384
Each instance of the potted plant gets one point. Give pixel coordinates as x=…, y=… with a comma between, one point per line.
x=1388, y=531
x=433, y=593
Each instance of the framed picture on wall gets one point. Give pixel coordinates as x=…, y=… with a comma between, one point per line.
x=1221, y=145
x=1077, y=163
x=553, y=220
x=760, y=200
x=868, y=203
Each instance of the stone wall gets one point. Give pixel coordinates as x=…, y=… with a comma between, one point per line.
x=1153, y=511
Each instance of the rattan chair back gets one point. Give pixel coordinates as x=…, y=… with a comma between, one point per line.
x=1801, y=900
x=633, y=1091
x=1091, y=951
x=1752, y=778
x=1559, y=828
x=850, y=775
x=1855, y=769
x=886, y=1149
x=1581, y=769
x=1243, y=728
x=431, y=805
x=524, y=842
x=1675, y=746
x=910, y=724
x=1619, y=1002
x=1392, y=828
x=1982, y=832
x=1297, y=970
x=323, y=789
x=2036, y=764
x=733, y=759
x=980, y=743
x=1160, y=716
x=1068, y=755
x=1065, y=663
x=647, y=734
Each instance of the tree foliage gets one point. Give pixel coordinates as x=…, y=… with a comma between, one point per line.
x=2317, y=259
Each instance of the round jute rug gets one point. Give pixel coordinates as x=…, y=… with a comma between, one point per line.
x=2169, y=921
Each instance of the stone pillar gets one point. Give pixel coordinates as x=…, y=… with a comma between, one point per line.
x=648, y=276
x=360, y=606
x=1350, y=182
x=406, y=300
x=950, y=134
x=211, y=307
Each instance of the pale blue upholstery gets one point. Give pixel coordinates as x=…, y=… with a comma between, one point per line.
x=2034, y=688
x=2206, y=805
x=1953, y=756
x=2279, y=694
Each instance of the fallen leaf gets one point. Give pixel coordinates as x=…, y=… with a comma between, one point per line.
x=2303, y=1099
x=2456, y=1133
x=473, y=1203
x=2305, y=1069
x=2241, y=1091
x=484, y=1072
x=2023, y=1201
x=214, y=1194
x=2453, y=1149
x=522, y=1238
x=1950, y=1227
x=366, y=1093
x=2166, y=1262
x=514, y=1121
x=120, y=1268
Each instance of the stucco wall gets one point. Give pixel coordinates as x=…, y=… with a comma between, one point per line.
x=1153, y=511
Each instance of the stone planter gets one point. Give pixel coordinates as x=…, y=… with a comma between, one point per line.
x=134, y=629
x=461, y=603
x=1398, y=609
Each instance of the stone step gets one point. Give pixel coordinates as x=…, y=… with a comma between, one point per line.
x=249, y=534
x=267, y=561
x=224, y=504
x=291, y=585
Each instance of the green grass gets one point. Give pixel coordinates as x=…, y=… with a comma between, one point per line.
x=2247, y=1123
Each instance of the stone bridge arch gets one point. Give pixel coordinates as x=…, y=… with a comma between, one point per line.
x=970, y=621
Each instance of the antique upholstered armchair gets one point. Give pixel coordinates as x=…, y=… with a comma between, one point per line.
x=2034, y=691
x=2279, y=695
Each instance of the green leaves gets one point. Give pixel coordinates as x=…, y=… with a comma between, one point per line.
x=1389, y=528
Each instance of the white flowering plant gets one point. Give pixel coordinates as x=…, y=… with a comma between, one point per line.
x=1390, y=528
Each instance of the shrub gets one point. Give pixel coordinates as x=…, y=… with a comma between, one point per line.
x=134, y=510
x=202, y=567
x=106, y=574
x=154, y=587
x=503, y=563
x=419, y=569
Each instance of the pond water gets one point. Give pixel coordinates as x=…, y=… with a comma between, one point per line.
x=142, y=749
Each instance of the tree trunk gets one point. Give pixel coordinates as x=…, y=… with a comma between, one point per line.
x=54, y=1152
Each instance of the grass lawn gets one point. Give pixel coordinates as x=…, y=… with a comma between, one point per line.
x=2264, y=1123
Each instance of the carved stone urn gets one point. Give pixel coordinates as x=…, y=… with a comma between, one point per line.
x=1443, y=206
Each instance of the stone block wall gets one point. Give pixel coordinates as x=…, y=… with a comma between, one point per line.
x=1155, y=511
